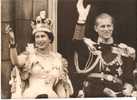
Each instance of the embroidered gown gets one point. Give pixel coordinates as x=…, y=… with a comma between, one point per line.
x=44, y=74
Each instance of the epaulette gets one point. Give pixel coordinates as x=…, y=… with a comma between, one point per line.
x=124, y=50
x=90, y=43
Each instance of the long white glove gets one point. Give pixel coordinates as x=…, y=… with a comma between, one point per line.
x=83, y=12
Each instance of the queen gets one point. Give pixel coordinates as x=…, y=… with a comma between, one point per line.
x=39, y=72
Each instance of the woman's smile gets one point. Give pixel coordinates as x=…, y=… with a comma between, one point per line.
x=42, y=40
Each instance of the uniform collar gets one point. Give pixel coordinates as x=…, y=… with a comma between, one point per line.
x=110, y=41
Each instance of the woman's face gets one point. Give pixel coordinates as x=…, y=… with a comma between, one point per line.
x=42, y=40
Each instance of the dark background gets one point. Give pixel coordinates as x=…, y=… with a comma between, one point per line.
x=123, y=11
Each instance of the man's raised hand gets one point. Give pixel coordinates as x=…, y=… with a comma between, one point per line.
x=83, y=12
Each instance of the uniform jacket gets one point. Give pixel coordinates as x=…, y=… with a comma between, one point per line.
x=111, y=63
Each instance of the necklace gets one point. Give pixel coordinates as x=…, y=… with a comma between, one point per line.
x=43, y=55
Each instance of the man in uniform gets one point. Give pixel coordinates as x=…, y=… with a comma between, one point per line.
x=106, y=68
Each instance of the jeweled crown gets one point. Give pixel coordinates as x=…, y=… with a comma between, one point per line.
x=42, y=23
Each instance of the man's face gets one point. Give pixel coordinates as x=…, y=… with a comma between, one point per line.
x=104, y=27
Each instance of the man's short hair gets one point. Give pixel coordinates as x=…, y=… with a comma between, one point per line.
x=103, y=16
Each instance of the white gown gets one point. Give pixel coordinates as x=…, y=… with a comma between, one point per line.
x=45, y=72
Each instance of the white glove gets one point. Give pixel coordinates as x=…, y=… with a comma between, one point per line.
x=110, y=92
x=83, y=12
x=127, y=89
x=10, y=33
x=81, y=94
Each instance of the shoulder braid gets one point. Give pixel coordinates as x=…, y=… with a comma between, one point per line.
x=90, y=43
x=124, y=50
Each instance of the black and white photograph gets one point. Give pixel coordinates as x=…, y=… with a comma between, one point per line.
x=76, y=49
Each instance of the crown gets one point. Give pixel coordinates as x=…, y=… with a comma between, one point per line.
x=42, y=23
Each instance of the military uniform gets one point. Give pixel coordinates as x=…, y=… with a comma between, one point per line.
x=104, y=67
